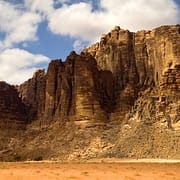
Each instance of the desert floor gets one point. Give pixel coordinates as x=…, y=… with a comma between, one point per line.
x=90, y=171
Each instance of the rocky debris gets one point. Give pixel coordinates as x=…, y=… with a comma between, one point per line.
x=71, y=143
x=12, y=110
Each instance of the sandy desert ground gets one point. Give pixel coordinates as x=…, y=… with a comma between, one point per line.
x=90, y=171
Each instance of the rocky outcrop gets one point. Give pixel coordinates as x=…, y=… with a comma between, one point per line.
x=77, y=90
x=146, y=53
x=74, y=90
x=139, y=61
x=12, y=111
x=118, y=98
x=32, y=94
x=170, y=83
x=103, y=83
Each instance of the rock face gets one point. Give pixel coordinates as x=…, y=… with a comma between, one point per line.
x=32, y=94
x=103, y=83
x=71, y=90
x=105, y=101
x=12, y=112
x=139, y=61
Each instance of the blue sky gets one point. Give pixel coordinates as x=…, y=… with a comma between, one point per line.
x=32, y=32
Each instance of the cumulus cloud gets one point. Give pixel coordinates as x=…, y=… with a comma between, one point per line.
x=142, y=14
x=76, y=20
x=17, y=65
x=17, y=24
x=43, y=8
x=62, y=1
x=80, y=21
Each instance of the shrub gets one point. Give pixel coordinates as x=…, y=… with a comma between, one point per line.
x=17, y=158
x=38, y=158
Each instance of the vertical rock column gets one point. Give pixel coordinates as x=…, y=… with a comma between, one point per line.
x=32, y=93
x=87, y=98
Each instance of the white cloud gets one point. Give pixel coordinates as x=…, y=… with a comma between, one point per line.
x=78, y=45
x=44, y=7
x=17, y=24
x=141, y=14
x=79, y=21
x=23, y=30
x=62, y=1
x=17, y=65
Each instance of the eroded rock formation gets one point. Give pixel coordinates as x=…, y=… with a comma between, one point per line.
x=103, y=83
x=71, y=90
x=12, y=110
x=122, y=89
x=140, y=61
x=32, y=94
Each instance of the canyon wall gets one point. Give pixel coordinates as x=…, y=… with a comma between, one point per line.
x=73, y=90
x=12, y=110
x=140, y=61
x=103, y=83
x=119, y=98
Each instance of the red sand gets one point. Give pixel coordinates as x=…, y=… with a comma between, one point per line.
x=89, y=171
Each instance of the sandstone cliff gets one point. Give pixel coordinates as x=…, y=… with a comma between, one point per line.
x=103, y=82
x=107, y=100
x=32, y=94
x=140, y=61
x=71, y=90
x=12, y=110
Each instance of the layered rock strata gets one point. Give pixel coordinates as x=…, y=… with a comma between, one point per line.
x=71, y=90
x=139, y=61
x=32, y=94
x=103, y=83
